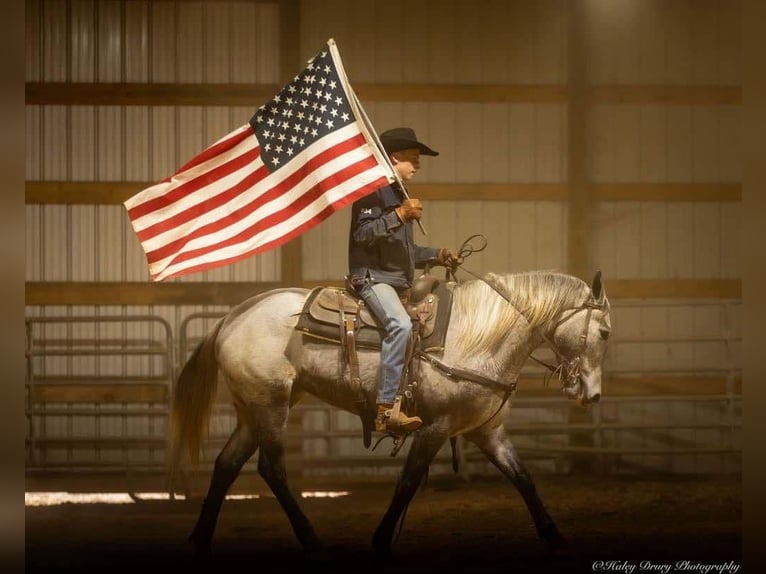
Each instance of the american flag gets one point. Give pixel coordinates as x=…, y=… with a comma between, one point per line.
x=303, y=155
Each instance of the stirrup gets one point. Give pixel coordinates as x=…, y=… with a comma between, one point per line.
x=398, y=440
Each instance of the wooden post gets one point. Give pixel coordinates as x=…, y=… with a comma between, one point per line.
x=579, y=193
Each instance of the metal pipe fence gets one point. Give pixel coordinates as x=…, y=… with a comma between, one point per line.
x=134, y=355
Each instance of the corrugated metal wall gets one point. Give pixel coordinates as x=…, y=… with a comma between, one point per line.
x=644, y=42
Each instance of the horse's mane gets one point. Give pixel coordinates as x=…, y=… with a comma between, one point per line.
x=483, y=319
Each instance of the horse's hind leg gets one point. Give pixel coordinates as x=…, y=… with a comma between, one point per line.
x=422, y=451
x=497, y=446
x=271, y=466
x=239, y=448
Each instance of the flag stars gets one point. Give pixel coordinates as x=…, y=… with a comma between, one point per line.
x=307, y=109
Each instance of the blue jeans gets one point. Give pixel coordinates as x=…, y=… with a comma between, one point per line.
x=383, y=301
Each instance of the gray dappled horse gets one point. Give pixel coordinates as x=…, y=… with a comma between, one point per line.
x=496, y=323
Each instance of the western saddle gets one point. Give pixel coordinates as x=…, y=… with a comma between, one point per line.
x=340, y=316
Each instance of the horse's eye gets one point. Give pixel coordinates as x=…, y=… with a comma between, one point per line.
x=604, y=334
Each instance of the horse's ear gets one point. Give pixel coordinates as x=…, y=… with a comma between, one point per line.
x=596, y=287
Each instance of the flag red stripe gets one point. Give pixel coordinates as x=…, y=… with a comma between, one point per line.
x=275, y=192
x=188, y=187
x=282, y=239
x=274, y=219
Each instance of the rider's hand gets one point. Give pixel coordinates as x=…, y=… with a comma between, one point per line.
x=410, y=209
x=448, y=258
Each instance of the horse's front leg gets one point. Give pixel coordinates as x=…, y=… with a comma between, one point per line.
x=497, y=446
x=425, y=445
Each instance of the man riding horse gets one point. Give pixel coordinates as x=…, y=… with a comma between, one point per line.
x=382, y=258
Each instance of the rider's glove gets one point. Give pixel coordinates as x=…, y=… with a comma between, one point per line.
x=410, y=209
x=448, y=258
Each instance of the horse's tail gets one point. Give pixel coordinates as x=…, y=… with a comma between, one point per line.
x=193, y=401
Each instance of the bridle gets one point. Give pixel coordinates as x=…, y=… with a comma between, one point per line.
x=568, y=370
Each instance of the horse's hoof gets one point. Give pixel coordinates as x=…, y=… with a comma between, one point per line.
x=556, y=545
x=382, y=549
x=312, y=545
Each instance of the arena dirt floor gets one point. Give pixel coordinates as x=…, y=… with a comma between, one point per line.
x=614, y=524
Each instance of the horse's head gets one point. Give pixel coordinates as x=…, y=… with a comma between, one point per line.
x=580, y=336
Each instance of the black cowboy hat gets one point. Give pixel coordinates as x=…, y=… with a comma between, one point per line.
x=397, y=139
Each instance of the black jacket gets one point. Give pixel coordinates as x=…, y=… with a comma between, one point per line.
x=380, y=247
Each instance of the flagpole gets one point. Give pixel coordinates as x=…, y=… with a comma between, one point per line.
x=371, y=129
x=358, y=109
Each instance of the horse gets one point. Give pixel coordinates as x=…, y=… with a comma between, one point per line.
x=497, y=321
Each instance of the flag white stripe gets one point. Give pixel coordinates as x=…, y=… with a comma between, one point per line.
x=275, y=232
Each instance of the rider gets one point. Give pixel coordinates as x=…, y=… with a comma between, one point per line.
x=382, y=258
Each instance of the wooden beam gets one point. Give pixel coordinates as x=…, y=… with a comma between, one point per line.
x=131, y=94
x=81, y=192
x=490, y=191
x=167, y=94
x=673, y=288
x=115, y=193
x=645, y=385
x=134, y=94
x=108, y=293
x=728, y=192
x=474, y=93
x=667, y=95
x=99, y=393
x=216, y=293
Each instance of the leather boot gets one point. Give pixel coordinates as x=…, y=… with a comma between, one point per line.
x=384, y=422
